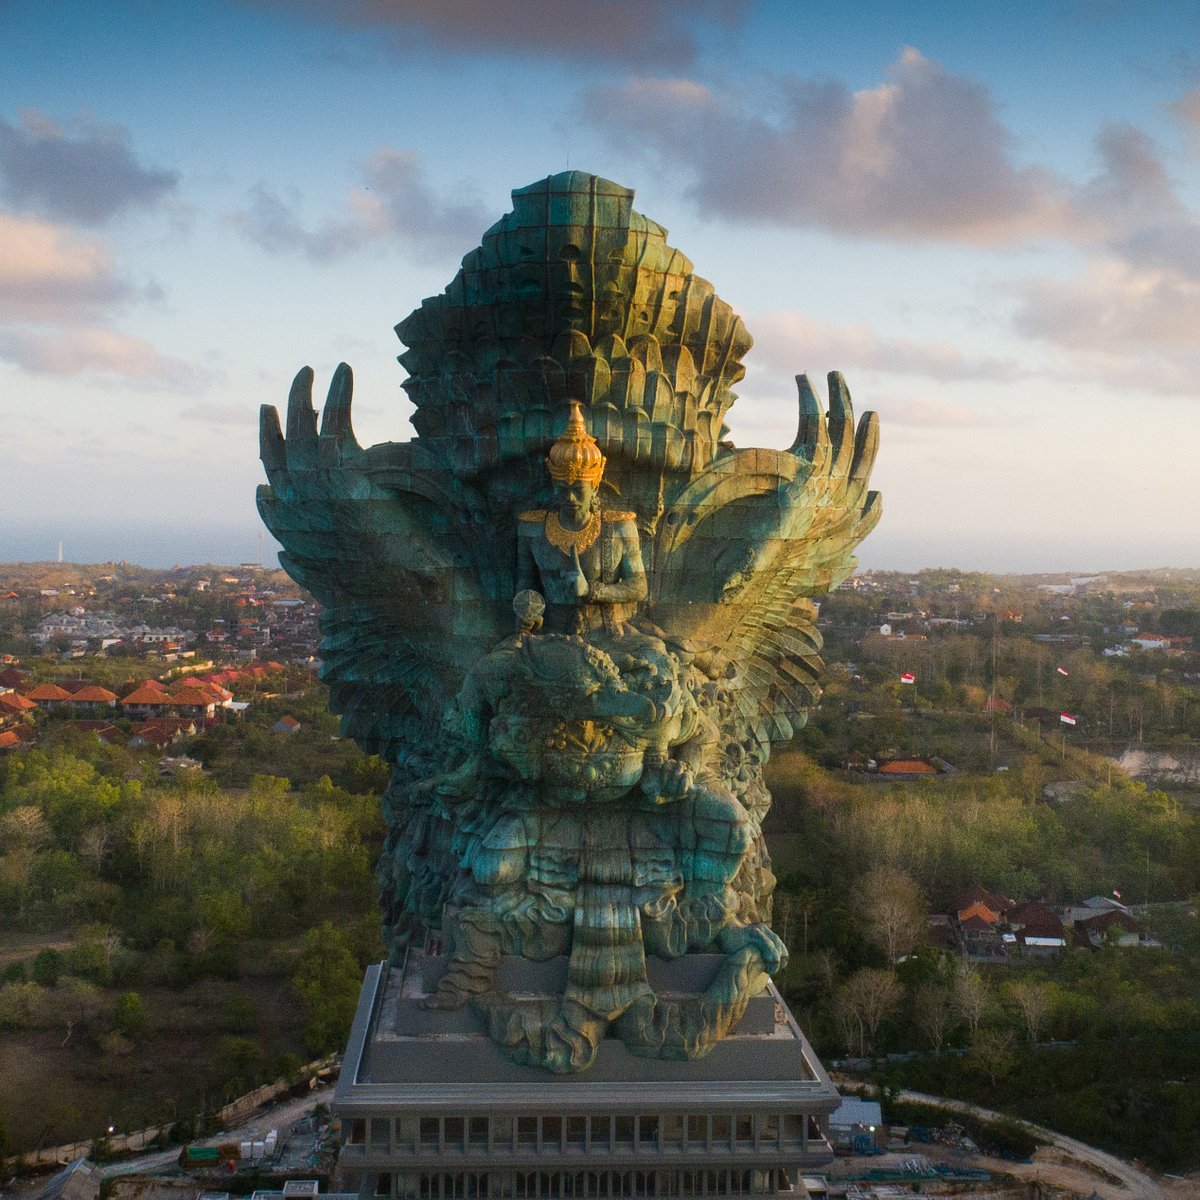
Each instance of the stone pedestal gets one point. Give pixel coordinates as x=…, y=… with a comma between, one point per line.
x=431, y=1110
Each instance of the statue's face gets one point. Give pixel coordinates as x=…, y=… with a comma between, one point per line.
x=575, y=499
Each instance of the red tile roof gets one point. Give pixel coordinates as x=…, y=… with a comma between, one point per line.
x=14, y=702
x=147, y=694
x=48, y=691
x=92, y=694
x=192, y=698
x=907, y=766
x=9, y=739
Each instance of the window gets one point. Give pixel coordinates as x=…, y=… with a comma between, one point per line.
x=453, y=1128
x=552, y=1132
x=624, y=1130
x=768, y=1129
x=502, y=1132
x=600, y=1127
x=576, y=1130
x=648, y=1132
x=430, y=1131
x=479, y=1131
x=381, y=1127
x=721, y=1131
x=697, y=1132
x=672, y=1130
x=358, y=1131
x=743, y=1128
x=527, y=1131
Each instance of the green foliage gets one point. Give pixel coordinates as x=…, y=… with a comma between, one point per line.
x=239, y=1014
x=47, y=967
x=327, y=981
x=129, y=1015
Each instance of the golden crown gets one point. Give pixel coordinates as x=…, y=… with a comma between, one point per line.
x=576, y=455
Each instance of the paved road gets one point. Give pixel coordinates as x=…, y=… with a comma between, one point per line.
x=1131, y=1184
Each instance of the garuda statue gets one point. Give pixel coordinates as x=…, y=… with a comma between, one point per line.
x=573, y=617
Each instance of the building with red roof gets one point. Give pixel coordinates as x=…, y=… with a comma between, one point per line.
x=93, y=696
x=148, y=700
x=48, y=696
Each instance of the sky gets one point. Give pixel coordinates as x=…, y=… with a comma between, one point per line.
x=987, y=217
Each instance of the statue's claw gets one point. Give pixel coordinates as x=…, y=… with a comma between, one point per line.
x=270, y=441
x=301, y=424
x=841, y=422
x=337, y=432
x=812, y=434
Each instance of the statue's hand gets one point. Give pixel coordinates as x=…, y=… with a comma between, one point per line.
x=580, y=583
x=307, y=465
x=761, y=938
x=676, y=780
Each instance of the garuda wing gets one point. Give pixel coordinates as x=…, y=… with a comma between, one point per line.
x=377, y=536
x=762, y=532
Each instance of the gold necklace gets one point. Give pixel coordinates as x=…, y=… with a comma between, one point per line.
x=567, y=540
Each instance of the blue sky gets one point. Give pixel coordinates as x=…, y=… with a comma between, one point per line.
x=984, y=215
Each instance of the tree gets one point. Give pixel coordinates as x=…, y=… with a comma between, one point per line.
x=863, y=1002
x=129, y=1014
x=1033, y=1000
x=47, y=967
x=326, y=980
x=992, y=1053
x=970, y=996
x=891, y=910
x=933, y=1013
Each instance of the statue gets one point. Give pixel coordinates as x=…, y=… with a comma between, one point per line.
x=573, y=618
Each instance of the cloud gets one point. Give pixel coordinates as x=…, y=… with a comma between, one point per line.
x=73, y=351
x=51, y=273
x=1131, y=187
x=58, y=292
x=86, y=173
x=790, y=343
x=582, y=31
x=1187, y=109
x=921, y=156
x=396, y=204
x=1114, y=306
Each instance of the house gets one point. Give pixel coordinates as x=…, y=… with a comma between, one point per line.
x=194, y=702
x=93, y=697
x=49, y=696
x=907, y=768
x=147, y=700
x=286, y=725
x=13, y=704
x=978, y=894
x=995, y=704
x=11, y=678
x=106, y=732
x=1037, y=929
x=162, y=731
x=1117, y=925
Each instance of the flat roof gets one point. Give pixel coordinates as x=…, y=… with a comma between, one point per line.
x=401, y=1056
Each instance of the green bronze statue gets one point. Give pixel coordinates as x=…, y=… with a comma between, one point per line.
x=574, y=618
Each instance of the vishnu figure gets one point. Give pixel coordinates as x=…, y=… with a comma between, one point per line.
x=585, y=560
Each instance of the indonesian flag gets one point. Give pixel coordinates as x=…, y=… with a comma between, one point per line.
x=1062, y=670
x=1066, y=718
x=908, y=677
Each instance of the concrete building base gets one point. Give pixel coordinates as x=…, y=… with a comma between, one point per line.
x=431, y=1110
